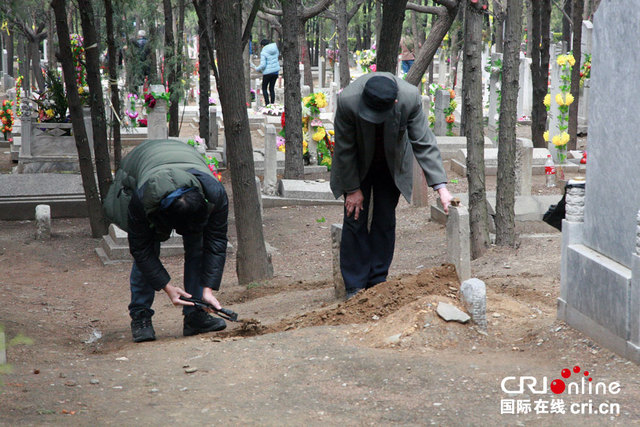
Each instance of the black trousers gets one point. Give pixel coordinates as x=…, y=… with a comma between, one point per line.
x=365, y=255
x=269, y=81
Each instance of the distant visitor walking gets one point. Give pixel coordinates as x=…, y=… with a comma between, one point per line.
x=269, y=67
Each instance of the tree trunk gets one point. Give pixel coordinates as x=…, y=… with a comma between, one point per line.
x=98, y=120
x=252, y=262
x=566, y=24
x=527, y=26
x=170, y=63
x=180, y=54
x=34, y=54
x=204, y=73
x=472, y=98
x=424, y=57
x=343, y=31
x=498, y=25
x=8, y=42
x=113, y=84
x=153, y=36
x=96, y=218
x=23, y=68
x=540, y=26
x=304, y=54
x=378, y=20
x=578, y=6
x=387, y=46
x=293, y=164
x=505, y=188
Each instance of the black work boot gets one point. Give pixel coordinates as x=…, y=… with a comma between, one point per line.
x=141, y=326
x=199, y=321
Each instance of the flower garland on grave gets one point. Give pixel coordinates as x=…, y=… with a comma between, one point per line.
x=18, y=94
x=366, y=59
x=78, y=57
x=311, y=106
x=213, y=164
x=564, y=99
x=450, y=118
x=273, y=110
x=6, y=118
x=150, y=100
x=132, y=113
x=332, y=56
x=585, y=69
x=52, y=102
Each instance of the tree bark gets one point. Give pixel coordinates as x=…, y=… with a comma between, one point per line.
x=304, y=55
x=498, y=25
x=472, y=98
x=96, y=217
x=170, y=63
x=252, y=262
x=293, y=163
x=204, y=73
x=566, y=24
x=342, y=25
x=8, y=42
x=378, y=20
x=505, y=188
x=424, y=57
x=540, y=26
x=387, y=46
x=96, y=103
x=113, y=84
x=578, y=9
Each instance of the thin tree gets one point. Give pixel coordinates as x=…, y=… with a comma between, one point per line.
x=387, y=46
x=505, y=190
x=170, y=62
x=540, y=40
x=472, y=104
x=446, y=15
x=204, y=70
x=96, y=103
x=94, y=206
x=578, y=9
x=498, y=24
x=113, y=84
x=342, y=17
x=252, y=262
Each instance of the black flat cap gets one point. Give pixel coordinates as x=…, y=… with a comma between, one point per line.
x=378, y=97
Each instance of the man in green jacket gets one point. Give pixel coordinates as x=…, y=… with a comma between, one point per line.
x=163, y=186
x=379, y=129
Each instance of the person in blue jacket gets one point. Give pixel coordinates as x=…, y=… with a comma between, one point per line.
x=269, y=67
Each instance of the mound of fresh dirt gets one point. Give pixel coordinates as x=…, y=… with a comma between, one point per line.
x=377, y=302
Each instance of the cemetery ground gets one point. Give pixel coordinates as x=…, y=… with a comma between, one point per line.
x=302, y=357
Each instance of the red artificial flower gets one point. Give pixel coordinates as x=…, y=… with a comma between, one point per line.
x=282, y=120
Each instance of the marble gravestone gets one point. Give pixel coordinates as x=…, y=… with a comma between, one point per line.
x=600, y=269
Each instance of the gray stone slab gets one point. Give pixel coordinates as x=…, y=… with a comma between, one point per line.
x=338, y=281
x=612, y=181
x=278, y=201
x=527, y=208
x=459, y=162
x=474, y=297
x=451, y=313
x=449, y=145
x=599, y=289
x=305, y=189
x=458, y=241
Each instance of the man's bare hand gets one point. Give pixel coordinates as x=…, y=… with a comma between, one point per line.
x=445, y=198
x=353, y=203
x=174, y=294
x=207, y=296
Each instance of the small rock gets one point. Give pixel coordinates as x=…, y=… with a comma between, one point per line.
x=154, y=390
x=341, y=312
x=496, y=315
x=451, y=313
x=393, y=339
x=375, y=317
x=94, y=381
x=123, y=359
x=70, y=383
x=190, y=370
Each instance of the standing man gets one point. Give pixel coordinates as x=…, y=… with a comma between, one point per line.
x=379, y=128
x=163, y=186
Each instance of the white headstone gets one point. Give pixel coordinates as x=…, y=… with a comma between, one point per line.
x=157, y=116
x=322, y=72
x=270, y=161
x=443, y=99
x=525, y=90
x=494, y=87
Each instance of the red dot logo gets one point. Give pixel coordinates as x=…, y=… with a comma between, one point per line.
x=565, y=373
x=576, y=369
x=557, y=386
x=586, y=373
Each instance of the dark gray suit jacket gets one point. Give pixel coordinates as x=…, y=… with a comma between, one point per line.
x=406, y=133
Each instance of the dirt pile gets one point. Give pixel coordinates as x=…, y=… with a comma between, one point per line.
x=374, y=303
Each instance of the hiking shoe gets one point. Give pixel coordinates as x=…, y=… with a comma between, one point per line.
x=199, y=321
x=351, y=294
x=141, y=326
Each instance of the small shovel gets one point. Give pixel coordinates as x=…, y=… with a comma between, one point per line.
x=225, y=313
